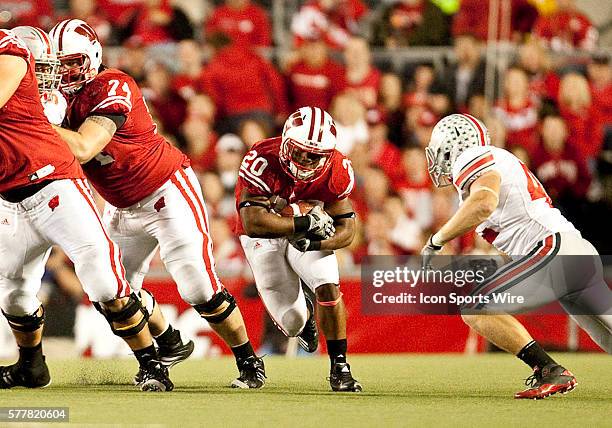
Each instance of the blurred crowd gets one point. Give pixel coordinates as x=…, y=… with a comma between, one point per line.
x=217, y=81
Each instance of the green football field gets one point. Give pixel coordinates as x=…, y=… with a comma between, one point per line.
x=401, y=390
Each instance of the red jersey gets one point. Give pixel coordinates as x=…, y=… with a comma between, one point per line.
x=367, y=89
x=249, y=26
x=261, y=174
x=30, y=150
x=566, y=30
x=137, y=161
x=315, y=87
x=521, y=124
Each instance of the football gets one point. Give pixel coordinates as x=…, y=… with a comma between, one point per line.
x=298, y=208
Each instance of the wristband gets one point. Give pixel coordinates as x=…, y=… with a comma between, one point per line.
x=301, y=223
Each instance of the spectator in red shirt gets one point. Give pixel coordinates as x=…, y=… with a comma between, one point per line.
x=412, y=23
x=120, y=12
x=243, y=86
x=334, y=20
x=151, y=22
x=37, y=13
x=133, y=60
x=361, y=77
x=567, y=28
x=600, y=79
x=517, y=111
x=242, y=20
x=473, y=17
x=543, y=81
x=315, y=79
x=582, y=118
x=168, y=105
x=383, y=154
x=187, y=79
x=88, y=11
x=563, y=173
x=198, y=136
x=416, y=188
x=419, y=90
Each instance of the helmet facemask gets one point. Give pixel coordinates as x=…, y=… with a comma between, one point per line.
x=48, y=75
x=303, y=163
x=439, y=167
x=75, y=72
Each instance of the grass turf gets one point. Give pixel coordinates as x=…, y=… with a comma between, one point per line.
x=401, y=390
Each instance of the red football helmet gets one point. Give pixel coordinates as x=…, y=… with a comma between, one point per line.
x=308, y=141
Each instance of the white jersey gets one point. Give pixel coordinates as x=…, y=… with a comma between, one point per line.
x=525, y=214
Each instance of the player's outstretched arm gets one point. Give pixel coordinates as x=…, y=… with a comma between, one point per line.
x=344, y=222
x=476, y=208
x=92, y=136
x=12, y=70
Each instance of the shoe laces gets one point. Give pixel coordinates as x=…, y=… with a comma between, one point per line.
x=534, y=379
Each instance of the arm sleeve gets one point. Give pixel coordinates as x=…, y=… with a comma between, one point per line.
x=470, y=165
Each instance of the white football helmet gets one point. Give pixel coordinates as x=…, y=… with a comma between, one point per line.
x=47, y=68
x=80, y=52
x=308, y=141
x=450, y=137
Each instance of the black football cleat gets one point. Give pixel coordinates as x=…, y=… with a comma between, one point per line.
x=169, y=357
x=547, y=381
x=308, y=339
x=252, y=374
x=155, y=378
x=29, y=376
x=341, y=379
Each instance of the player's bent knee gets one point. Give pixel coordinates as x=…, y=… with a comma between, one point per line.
x=293, y=321
x=26, y=323
x=217, y=309
x=127, y=317
x=328, y=294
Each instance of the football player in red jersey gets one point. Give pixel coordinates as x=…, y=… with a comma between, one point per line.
x=44, y=201
x=301, y=165
x=154, y=198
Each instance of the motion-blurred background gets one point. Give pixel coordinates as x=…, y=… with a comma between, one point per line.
x=220, y=75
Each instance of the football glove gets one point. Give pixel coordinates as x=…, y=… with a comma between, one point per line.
x=303, y=243
x=54, y=105
x=320, y=223
x=428, y=252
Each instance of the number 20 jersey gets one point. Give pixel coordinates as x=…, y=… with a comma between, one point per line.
x=524, y=215
x=262, y=174
x=138, y=160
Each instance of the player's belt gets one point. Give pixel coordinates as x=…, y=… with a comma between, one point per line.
x=19, y=194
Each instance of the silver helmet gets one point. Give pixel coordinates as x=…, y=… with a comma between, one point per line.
x=450, y=137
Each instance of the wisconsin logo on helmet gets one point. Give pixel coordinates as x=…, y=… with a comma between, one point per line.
x=47, y=68
x=450, y=137
x=308, y=142
x=79, y=52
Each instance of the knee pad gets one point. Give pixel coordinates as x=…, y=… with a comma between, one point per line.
x=26, y=323
x=218, y=308
x=147, y=300
x=131, y=308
